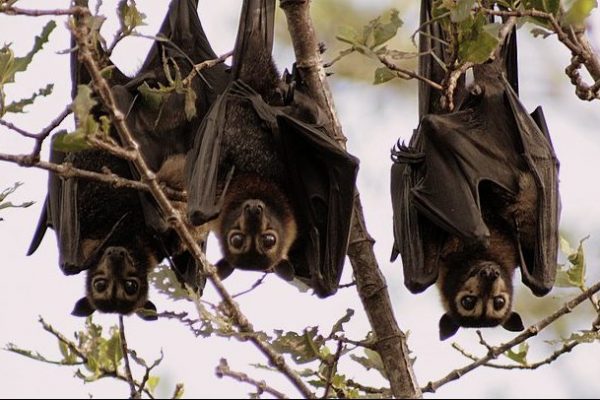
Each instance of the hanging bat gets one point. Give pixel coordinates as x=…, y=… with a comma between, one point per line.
x=117, y=235
x=276, y=189
x=474, y=195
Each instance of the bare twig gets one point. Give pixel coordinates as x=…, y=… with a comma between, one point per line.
x=9, y=10
x=391, y=346
x=254, y=286
x=68, y=171
x=494, y=352
x=576, y=41
x=342, y=54
x=407, y=74
x=133, y=391
x=178, y=392
x=261, y=386
x=81, y=34
x=385, y=392
x=548, y=360
x=204, y=65
x=332, y=363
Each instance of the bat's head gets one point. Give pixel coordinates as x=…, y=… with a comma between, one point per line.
x=478, y=294
x=256, y=235
x=118, y=283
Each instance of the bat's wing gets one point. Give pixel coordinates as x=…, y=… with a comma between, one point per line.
x=323, y=178
x=255, y=33
x=60, y=207
x=539, y=259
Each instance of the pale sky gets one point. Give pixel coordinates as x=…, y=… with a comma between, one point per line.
x=374, y=117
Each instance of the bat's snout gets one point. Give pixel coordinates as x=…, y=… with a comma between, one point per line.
x=253, y=208
x=489, y=272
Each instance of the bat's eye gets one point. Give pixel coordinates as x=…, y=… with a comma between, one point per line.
x=236, y=240
x=100, y=285
x=499, y=303
x=268, y=240
x=131, y=287
x=468, y=302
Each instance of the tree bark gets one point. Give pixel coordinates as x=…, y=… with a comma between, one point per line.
x=391, y=341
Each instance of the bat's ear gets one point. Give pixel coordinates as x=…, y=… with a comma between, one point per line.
x=285, y=270
x=148, y=312
x=83, y=308
x=224, y=268
x=513, y=323
x=447, y=327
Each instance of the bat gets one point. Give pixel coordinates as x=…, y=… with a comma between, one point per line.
x=264, y=173
x=474, y=195
x=119, y=235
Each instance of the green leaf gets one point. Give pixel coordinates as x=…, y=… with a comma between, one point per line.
x=190, y=103
x=580, y=337
x=129, y=16
x=371, y=361
x=83, y=103
x=114, y=350
x=537, y=32
x=520, y=355
x=18, y=106
x=549, y=6
x=579, y=11
x=10, y=65
x=302, y=348
x=152, y=97
x=574, y=276
x=165, y=281
x=382, y=75
x=477, y=41
x=152, y=383
x=381, y=29
x=461, y=11
x=348, y=34
x=7, y=204
x=62, y=141
x=339, y=325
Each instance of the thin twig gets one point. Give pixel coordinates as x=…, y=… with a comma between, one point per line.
x=494, y=352
x=254, y=286
x=407, y=74
x=67, y=170
x=133, y=391
x=342, y=54
x=548, y=360
x=261, y=386
x=9, y=10
x=332, y=363
x=385, y=392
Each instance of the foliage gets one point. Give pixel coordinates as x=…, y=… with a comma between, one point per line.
x=7, y=204
x=11, y=65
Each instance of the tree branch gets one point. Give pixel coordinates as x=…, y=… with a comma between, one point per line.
x=261, y=386
x=391, y=341
x=67, y=170
x=134, y=394
x=548, y=360
x=494, y=352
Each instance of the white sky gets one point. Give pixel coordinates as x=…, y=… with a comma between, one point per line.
x=373, y=118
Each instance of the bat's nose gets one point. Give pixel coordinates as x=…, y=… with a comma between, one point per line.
x=116, y=253
x=489, y=273
x=253, y=208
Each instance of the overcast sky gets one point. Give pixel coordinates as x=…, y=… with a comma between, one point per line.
x=373, y=119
